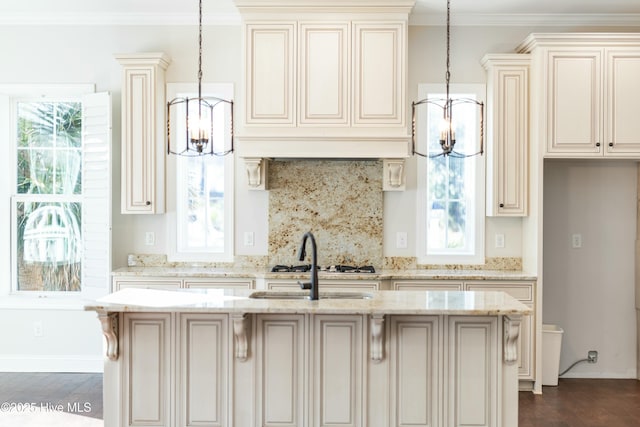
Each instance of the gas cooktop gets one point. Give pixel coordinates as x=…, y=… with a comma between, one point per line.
x=326, y=269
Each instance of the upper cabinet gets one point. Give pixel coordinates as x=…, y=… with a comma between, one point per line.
x=324, y=80
x=507, y=134
x=588, y=86
x=143, y=132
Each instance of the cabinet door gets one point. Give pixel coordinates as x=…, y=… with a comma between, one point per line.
x=203, y=370
x=146, y=352
x=143, y=122
x=574, y=112
x=622, y=94
x=280, y=366
x=324, y=73
x=472, y=373
x=270, y=74
x=337, y=380
x=523, y=292
x=415, y=358
x=507, y=137
x=379, y=88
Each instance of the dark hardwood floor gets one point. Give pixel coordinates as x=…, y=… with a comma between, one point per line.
x=573, y=403
x=73, y=393
x=583, y=403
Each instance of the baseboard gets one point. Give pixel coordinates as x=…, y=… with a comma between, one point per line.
x=51, y=363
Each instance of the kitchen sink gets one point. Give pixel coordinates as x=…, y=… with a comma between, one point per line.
x=293, y=295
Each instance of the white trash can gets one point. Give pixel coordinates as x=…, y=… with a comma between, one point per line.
x=551, y=346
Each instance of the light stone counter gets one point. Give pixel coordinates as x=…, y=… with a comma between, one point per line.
x=424, y=274
x=240, y=301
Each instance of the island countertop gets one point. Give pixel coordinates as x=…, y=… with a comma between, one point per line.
x=474, y=303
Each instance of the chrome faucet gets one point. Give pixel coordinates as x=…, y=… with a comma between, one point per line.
x=313, y=284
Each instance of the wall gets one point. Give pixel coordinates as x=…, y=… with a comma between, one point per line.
x=589, y=291
x=72, y=54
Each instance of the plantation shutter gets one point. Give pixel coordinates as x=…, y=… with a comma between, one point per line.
x=96, y=194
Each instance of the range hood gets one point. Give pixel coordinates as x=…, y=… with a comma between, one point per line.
x=323, y=79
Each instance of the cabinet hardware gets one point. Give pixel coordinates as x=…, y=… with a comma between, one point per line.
x=501, y=205
x=611, y=144
x=597, y=144
x=148, y=203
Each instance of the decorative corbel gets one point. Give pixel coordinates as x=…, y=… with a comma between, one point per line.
x=109, y=322
x=377, y=326
x=511, y=327
x=240, y=327
x=394, y=175
x=256, y=173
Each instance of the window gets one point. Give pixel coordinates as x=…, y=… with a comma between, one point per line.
x=200, y=207
x=450, y=189
x=58, y=160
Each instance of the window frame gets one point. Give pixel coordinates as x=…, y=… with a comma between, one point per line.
x=478, y=252
x=221, y=90
x=10, y=95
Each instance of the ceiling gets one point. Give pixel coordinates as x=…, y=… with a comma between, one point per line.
x=426, y=12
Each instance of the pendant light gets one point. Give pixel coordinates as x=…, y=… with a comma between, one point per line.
x=198, y=116
x=447, y=125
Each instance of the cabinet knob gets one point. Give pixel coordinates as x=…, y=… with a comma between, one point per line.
x=597, y=144
x=148, y=203
x=611, y=144
x=501, y=205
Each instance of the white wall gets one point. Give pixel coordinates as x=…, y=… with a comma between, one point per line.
x=589, y=291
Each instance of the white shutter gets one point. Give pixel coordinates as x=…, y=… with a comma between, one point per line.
x=96, y=194
x=6, y=191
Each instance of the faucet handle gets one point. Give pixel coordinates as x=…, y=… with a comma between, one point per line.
x=305, y=285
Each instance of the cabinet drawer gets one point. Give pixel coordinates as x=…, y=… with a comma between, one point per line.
x=146, y=284
x=425, y=285
x=520, y=291
x=326, y=285
x=220, y=283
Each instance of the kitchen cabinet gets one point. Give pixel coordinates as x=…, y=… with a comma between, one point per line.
x=325, y=91
x=522, y=291
x=143, y=132
x=507, y=140
x=324, y=81
x=588, y=91
x=218, y=283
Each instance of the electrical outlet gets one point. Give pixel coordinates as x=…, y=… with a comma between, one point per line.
x=37, y=329
x=499, y=240
x=592, y=356
x=401, y=240
x=150, y=238
x=249, y=238
x=576, y=241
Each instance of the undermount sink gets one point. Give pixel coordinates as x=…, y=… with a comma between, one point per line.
x=292, y=295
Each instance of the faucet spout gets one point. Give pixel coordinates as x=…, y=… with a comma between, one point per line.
x=312, y=285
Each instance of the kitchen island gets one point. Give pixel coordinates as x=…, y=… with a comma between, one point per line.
x=224, y=357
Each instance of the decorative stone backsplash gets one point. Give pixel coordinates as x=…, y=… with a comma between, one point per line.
x=340, y=202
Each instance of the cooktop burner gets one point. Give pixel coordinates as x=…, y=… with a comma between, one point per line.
x=329, y=269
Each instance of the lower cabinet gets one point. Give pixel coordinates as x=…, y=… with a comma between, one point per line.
x=183, y=369
x=325, y=285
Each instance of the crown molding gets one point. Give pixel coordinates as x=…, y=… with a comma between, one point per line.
x=534, y=19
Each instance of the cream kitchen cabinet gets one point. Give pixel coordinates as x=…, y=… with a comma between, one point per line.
x=119, y=283
x=507, y=134
x=310, y=73
x=426, y=285
x=588, y=87
x=218, y=283
x=525, y=293
x=143, y=132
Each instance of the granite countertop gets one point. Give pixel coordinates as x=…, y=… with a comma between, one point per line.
x=416, y=274
x=239, y=301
